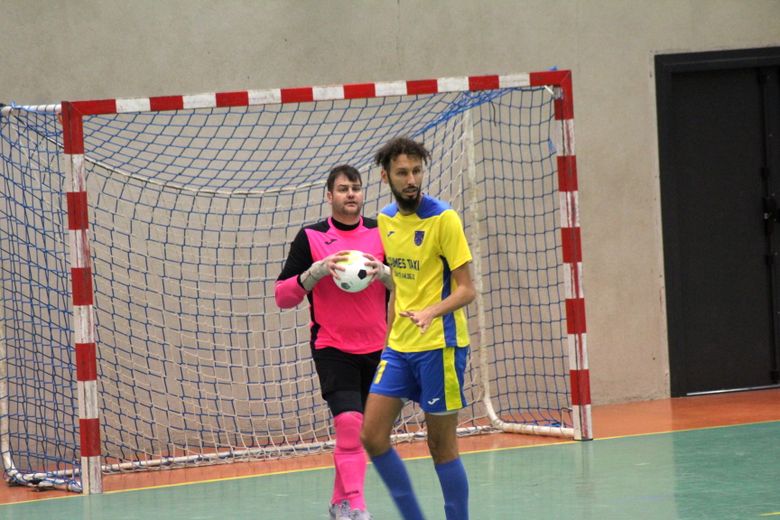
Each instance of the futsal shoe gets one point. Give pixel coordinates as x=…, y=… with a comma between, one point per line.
x=340, y=511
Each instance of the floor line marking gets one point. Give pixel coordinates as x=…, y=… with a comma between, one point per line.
x=417, y=457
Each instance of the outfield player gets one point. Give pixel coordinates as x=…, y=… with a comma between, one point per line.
x=348, y=330
x=427, y=347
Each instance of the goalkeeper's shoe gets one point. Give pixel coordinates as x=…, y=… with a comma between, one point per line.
x=340, y=511
x=357, y=514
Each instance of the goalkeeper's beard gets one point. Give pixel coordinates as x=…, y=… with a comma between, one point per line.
x=407, y=202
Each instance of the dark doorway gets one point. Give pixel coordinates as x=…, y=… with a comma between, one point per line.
x=719, y=133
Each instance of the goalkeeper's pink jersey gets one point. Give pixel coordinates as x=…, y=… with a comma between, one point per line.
x=351, y=322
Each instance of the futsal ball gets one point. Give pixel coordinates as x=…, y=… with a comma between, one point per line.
x=355, y=276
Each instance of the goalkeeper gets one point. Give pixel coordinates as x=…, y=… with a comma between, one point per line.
x=427, y=349
x=348, y=330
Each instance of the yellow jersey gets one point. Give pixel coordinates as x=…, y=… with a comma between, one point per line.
x=422, y=250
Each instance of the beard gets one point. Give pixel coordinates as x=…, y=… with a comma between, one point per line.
x=407, y=202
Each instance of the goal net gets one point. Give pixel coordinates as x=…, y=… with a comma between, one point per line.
x=192, y=205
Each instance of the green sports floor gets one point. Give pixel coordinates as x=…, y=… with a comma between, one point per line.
x=711, y=473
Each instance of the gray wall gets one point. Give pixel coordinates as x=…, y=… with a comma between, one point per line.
x=79, y=49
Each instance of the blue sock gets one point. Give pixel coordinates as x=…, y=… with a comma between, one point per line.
x=391, y=468
x=455, y=488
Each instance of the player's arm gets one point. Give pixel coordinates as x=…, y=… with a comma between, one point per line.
x=301, y=273
x=390, y=316
x=289, y=290
x=463, y=294
x=320, y=269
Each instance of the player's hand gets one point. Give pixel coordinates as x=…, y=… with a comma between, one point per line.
x=379, y=271
x=374, y=265
x=333, y=263
x=421, y=318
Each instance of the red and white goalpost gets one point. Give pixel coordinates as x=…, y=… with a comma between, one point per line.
x=158, y=343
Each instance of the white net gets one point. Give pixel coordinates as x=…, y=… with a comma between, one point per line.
x=191, y=217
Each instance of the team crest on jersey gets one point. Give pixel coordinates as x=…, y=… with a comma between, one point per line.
x=418, y=237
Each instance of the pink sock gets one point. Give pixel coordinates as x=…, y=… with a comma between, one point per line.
x=338, y=490
x=350, y=459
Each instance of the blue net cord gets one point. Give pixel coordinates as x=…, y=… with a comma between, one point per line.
x=191, y=216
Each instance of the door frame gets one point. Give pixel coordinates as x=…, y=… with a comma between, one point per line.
x=666, y=66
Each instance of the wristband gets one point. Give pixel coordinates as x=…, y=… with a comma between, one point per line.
x=313, y=274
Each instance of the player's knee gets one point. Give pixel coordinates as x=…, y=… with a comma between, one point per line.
x=348, y=430
x=443, y=449
x=443, y=454
x=373, y=443
x=365, y=439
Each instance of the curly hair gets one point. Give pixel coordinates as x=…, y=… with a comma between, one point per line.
x=398, y=146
